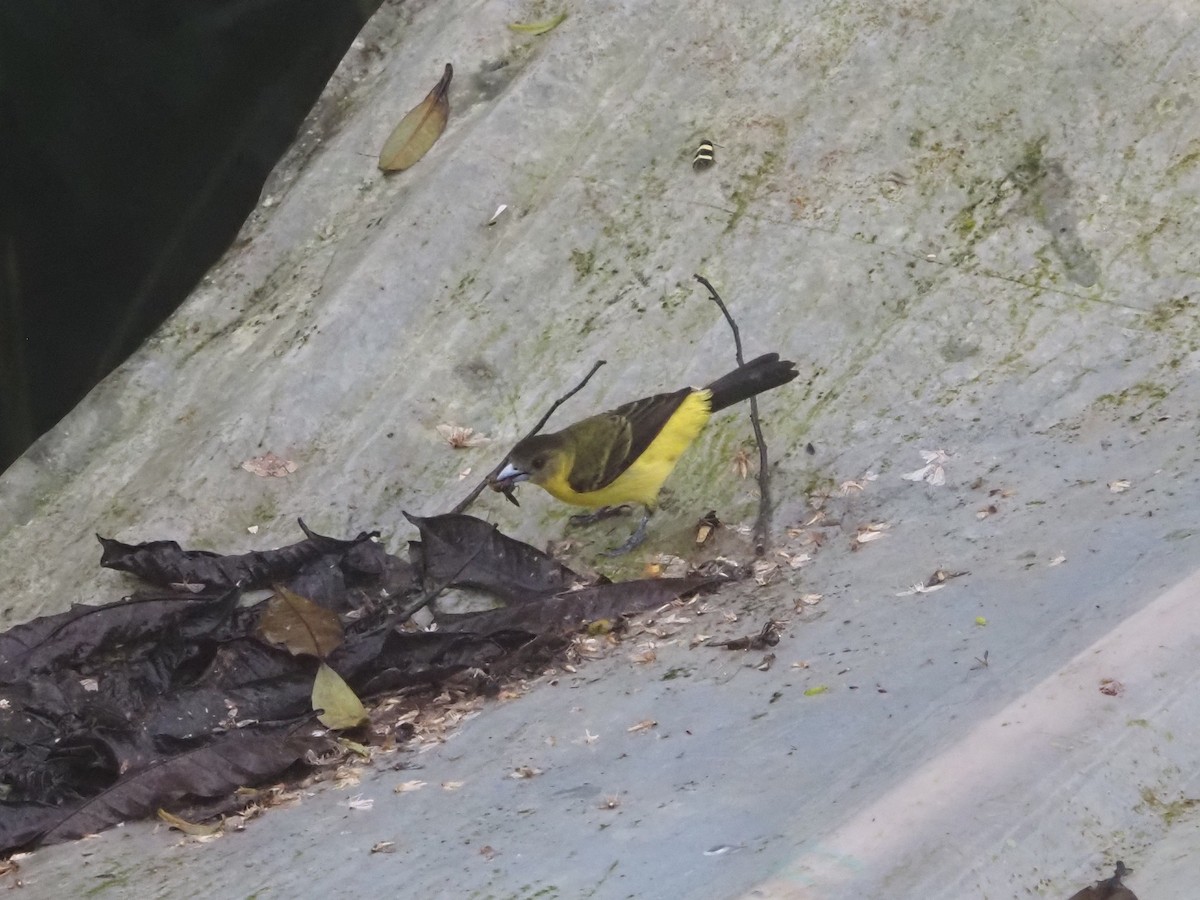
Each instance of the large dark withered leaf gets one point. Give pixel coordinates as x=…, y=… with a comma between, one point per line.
x=569, y=611
x=165, y=563
x=233, y=760
x=298, y=624
x=507, y=568
x=73, y=636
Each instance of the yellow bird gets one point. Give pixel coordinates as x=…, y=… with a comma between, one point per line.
x=625, y=455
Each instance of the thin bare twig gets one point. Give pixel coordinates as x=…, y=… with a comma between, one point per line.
x=407, y=612
x=470, y=498
x=762, y=526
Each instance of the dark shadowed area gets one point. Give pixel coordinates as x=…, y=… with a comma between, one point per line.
x=134, y=140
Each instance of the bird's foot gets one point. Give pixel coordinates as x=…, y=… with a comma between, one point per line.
x=604, y=512
x=635, y=540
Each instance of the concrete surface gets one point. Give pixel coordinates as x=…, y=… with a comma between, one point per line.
x=969, y=223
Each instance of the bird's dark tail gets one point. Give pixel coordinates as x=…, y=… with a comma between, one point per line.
x=756, y=376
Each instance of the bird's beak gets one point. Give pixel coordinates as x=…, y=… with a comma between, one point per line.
x=507, y=480
x=510, y=475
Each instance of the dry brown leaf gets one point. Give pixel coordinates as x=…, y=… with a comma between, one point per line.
x=300, y=625
x=419, y=129
x=269, y=466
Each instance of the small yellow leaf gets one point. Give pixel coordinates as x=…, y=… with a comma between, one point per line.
x=419, y=129
x=193, y=828
x=539, y=27
x=818, y=689
x=980, y=620
x=340, y=706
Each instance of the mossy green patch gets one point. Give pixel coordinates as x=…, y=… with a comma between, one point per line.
x=1170, y=810
x=584, y=262
x=1142, y=392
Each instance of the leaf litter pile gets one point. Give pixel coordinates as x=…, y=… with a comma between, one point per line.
x=179, y=699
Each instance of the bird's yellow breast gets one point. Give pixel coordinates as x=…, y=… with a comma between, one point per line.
x=643, y=479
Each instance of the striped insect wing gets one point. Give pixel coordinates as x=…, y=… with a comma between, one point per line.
x=704, y=156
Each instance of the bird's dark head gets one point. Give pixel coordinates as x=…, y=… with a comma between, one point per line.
x=537, y=459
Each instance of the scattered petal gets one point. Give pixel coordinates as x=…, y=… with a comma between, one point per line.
x=933, y=471
x=384, y=847
x=807, y=600
x=868, y=533
x=406, y=786
x=1058, y=560
x=460, y=437
x=818, y=689
x=795, y=560
x=644, y=725
x=1118, y=487
x=610, y=802
x=721, y=850
x=980, y=621
x=764, y=570
x=358, y=801
x=496, y=215
x=1111, y=687
x=742, y=465
x=920, y=589
x=452, y=785
x=524, y=772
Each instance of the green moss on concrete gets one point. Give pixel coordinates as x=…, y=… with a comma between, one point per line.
x=584, y=262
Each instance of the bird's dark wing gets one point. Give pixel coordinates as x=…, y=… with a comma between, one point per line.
x=607, y=444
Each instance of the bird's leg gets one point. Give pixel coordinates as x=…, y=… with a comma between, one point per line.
x=635, y=539
x=604, y=512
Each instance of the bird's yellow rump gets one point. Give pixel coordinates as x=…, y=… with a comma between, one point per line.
x=625, y=455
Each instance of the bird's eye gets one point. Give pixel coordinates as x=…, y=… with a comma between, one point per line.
x=539, y=461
